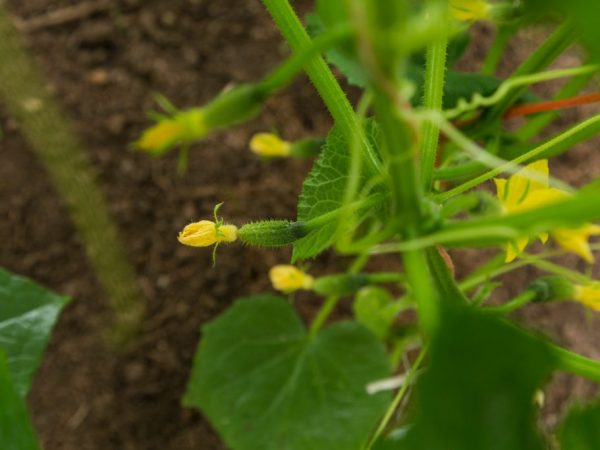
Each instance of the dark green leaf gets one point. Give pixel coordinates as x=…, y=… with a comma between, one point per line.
x=16, y=432
x=323, y=191
x=265, y=385
x=27, y=314
x=581, y=429
x=477, y=392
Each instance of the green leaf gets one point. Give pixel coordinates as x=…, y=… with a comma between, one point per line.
x=477, y=392
x=374, y=308
x=16, y=432
x=27, y=314
x=265, y=385
x=323, y=191
x=581, y=429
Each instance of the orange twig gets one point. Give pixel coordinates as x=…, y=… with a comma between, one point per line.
x=552, y=105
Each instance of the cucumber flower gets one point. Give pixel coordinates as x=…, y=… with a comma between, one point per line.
x=288, y=278
x=520, y=193
x=207, y=232
x=269, y=145
x=469, y=10
x=588, y=295
x=182, y=128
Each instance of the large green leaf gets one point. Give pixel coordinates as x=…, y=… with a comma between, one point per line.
x=323, y=191
x=27, y=314
x=581, y=429
x=478, y=390
x=265, y=385
x=16, y=432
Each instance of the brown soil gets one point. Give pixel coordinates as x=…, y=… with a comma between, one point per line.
x=104, y=68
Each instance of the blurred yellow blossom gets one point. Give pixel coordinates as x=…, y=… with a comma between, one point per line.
x=182, y=128
x=588, y=295
x=288, y=278
x=270, y=145
x=520, y=193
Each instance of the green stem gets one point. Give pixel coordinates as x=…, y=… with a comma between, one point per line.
x=577, y=364
x=410, y=377
x=435, y=72
x=554, y=46
x=323, y=79
x=496, y=51
x=323, y=315
x=519, y=301
x=287, y=71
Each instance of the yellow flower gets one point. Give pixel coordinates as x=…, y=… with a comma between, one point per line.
x=576, y=240
x=588, y=295
x=183, y=128
x=520, y=193
x=205, y=233
x=469, y=10
x=287, y=278
x=270, y=145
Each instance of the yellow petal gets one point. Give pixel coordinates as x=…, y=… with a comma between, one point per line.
x=205, y=233
x=199, y=234
x=514, y=249
x=539, y=198
x=162, y=135
x=269, y=145
x=520, y=186
x=576, y=240
x=288, y=278
x=589, y=295
x=183, y=127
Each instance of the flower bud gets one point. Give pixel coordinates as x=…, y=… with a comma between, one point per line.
x=269, y=145
x=206, y=233
x=182, y=128
x=552, y=288
x=288, y=278
x=271, y=233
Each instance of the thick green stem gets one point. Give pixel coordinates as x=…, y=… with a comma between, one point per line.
x=323, y=79
x=49, y=134
x=435, y=73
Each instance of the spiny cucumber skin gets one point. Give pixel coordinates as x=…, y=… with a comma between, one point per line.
x=271, y=233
